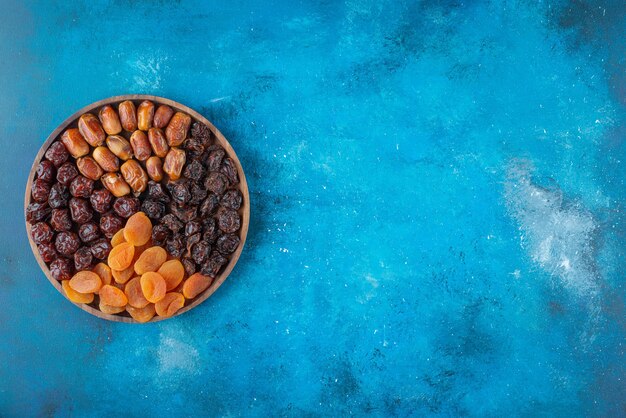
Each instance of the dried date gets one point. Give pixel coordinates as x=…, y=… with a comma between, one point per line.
x=47, y=252
x=57, y=153
x=81, y=186
x=40, y=190
x=80, y=210
x=36, y=212
x=66, y=173
x=41, y=233
x=61, y=269
x=61, y=220
x=101, y=200
x=59, y=196
x=46, y=171
x=67, y=243
x=126, y=206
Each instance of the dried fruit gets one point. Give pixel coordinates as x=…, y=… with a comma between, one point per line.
x=61, y=269
x=196, y=284
x=37, y=212
x=209, y=206
x=89, y=232
x=57, y=153
x=170, y=304
x=115, y=184
x=200, y=251
x=229, y=221
x=176, y=130
x=162, y=116
x=106, y=159
x=104, y=272
x=126, y=206
x=154, y=167
x=46, y=171
x=110, y=223
x=158, y=142
x=229, y=169
x=134, y=294
x=89, y=168
x=80, y=210
x=175, y=245
x=214, y=162
x=134, y=176
x=150, y=260
x=121, y=256
x=138, y=229
x=41, y=233
x=83, y=258
x=85, y=282
x=232, y=199
x=192, y=228
x=61, y=220
x=128, y=115
x=190, y=266
x=74, y=143
x=194, y=170
x=101, y=200
x=111, y=310
x=157, y=192
x=211, y=231
x=67, y=243
x=81, y=186
x=122, y=276
x=110, y=122
x=120, y=147
x=66, y=173
x=145, y=113
x=47, y=252
x=201, y=132
x=153, y=286
x=185, y=214
x=198, y=194
x=101, y=248
x=153, y=209
x=40, y=190
x=141, y=145
x=141, y=315
x=118, y=238
x=90, y=128
x=216, y=182
x=159, y=235
x=59, y=196
x=212, y=267
x=112, y=296
x=174, y=162
x=75, y=296
x=172, y=272
x=179, y=192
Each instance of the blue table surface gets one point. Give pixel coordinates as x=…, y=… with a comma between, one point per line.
x=438, y=208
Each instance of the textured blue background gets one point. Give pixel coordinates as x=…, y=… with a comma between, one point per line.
x=438, y=219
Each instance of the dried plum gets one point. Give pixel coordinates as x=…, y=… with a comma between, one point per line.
x=42, y=233
x=81, y=186
x=232, y=199
x=46, y=171
x=101, y=248
x=61, y=220
x=67, y=243
x=229, y=169
x=126, y=206
x=153, y=209
x=40, y=191
x=81, y=210
x=66, y=173
x=59, y=196
x=57, y=153
x=47, y=251
x=89, y=232
x=227, y=244
x=61, y=269
x=83, y=259
x=110, y=223
x=229, y=221
x=37, y=212
x=101, y=200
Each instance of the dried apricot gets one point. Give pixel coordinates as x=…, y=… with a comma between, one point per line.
x=112, y=296
x=153, y=286
x=141, y=314
x=118, y=238
x=75, y=296
x=121, y=256
x=108, y=309
x=134, y=293
x=122, y=276
x=150, y=260
x=104, y=272
x=196, y=284
x=138, y=229
x=173, y=273
x=170, y=304
x=85, y=282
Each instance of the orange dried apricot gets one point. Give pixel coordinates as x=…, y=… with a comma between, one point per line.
x=141, y=314
x=121, y=256
x=138, y=229
x=134, y=293
x=118, y=238
x=85, y=282
x=75, y=296
x=112, y=296
x=196, y=284
x=153, y=286
x=108, y=309
x=105, y=274
x=170, y=304
x=122, y=276
x=173, y=273
x=150, y=260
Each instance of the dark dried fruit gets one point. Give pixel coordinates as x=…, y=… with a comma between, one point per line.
x=185, y=214
x=191, y=241
x=159, y=235
x=227, y=244
x=81, y=186
x=67, y=243
x=214, y=161
x=189, y=265
x=153, y=209
x=80, y=210
x=179, y=192
x=101, y=200
x=192, y=227
x=198, y=194
x=175, y=246
x=61, y=220
x=216, y=182
x=83, y=259
x=194, y=147
x=46, y=171
x=201, y=132
x=66, y=173
x=89, y=232
x=209, y=206
x=211, y=232
x=61, y=269
x=194, y=170
x=215, y=262
x=200, y=251
x=47, y=252
x=59, y=196
x=156, y=191
x=229, y=221
x=232, y=199
x=110, y=223
x=171, y=222
x=42, y=233
x=101, y=248
x=126, y=206
x=40, y=191
x=57, y=153
x=229, y=169
x=37, y=212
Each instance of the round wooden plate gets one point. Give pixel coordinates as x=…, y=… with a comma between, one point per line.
x=244, y=211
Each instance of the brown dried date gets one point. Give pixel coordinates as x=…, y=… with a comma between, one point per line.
x=110, y=223
x=141, y=145
x=120, y=146
x=158, y=142
x=145, y=113
x=37, y=211
x=57, y=153
x=40, y=190
x=110, y=121
x=162, y=116
x=88, y=232
x=59, y=196
x=101, y=248
x=126, y=206
x=101, y=200
x=106, y=159
x=80, y=210
x=154, y=167
x=115, y=184
x=83, y=259
x=75, y=143
x=90, y=128
x=81, y=186
x=46, y=171
x=47, y=252
x=89, y=168
x=61, y=220
x=128, y=115
x=67, y=243
x=176, y=130
x=134, y=175
x=61, y=269
x=66, y=173
x=41, y=233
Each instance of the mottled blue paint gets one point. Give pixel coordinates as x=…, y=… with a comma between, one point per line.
x=438, y=221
